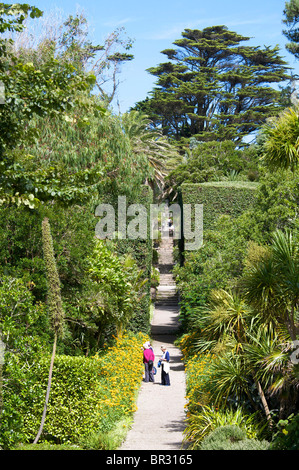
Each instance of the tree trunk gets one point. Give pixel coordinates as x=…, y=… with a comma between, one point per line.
x=48, y=392
x=264, y=402
x=291, y=324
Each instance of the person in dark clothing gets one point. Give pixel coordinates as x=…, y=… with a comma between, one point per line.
x=165, y=380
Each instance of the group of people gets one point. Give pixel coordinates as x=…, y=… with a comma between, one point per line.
x=149, y=369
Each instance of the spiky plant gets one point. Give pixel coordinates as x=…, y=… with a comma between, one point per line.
x=54, y=305
x=281, y=146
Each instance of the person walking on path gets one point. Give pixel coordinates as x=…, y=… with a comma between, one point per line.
x=148, y=360
x=165, y=380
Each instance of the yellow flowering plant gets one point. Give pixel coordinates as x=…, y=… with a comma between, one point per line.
x=120, y=378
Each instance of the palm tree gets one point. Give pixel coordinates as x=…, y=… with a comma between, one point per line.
x=250, y=331
x=271, y=285
x=228, y=322
x=149, y=141
x=281, y=140
x=223, y=323
x=269, y=355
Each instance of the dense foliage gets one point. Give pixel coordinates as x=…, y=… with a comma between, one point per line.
x=63, y=153
x=239, y=309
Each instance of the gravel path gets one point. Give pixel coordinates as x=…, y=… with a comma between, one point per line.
x=160, y=417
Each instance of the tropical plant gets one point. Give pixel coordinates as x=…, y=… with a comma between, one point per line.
x=268, y=354
x=148, y=140
x=209, y=418
x=250, y=332
x=225, y=320
x=271, y=285
x=117, y=287
x=281, y=140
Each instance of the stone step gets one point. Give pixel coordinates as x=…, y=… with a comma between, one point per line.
x=166, y=295
x=167, y=301
x=166, y=288
x=172, y=298
x=166, y=305
x=166, y=276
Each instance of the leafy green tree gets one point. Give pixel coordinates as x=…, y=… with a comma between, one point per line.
x=275, y=207
x=213, y=161
x=69, y=41
x=118, y=284
x=31, y=91
x=214, y=87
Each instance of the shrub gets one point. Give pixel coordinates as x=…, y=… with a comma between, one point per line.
x=287, y=437
x=231, y=438
x=108, y=440
x=208, y=419
x=198, y=373
x=47, y=446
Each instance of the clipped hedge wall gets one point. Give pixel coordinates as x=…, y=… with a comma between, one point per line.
x=87, y=393
x=218, y=198
x=73, y=401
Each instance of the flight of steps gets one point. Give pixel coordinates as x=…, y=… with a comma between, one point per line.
x=166, y=291
x=166, y=313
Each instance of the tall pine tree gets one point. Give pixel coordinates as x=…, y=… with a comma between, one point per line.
x=213, y=87
x=291, y=18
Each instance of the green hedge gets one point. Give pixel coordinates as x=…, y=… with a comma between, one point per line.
x=75, y=393
x=218, y=198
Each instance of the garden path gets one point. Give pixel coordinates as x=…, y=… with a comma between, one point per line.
x=160, y=417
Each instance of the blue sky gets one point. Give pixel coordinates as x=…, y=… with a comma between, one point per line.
x=156, y=24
